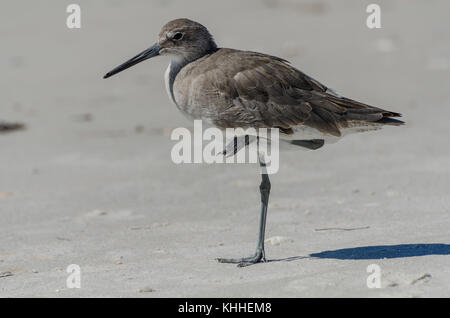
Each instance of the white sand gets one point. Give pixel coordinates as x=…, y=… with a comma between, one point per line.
x=90, y=190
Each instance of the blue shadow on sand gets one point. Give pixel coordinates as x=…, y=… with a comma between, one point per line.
x=386, y=251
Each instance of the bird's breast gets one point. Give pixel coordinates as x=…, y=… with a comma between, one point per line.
x=178, y=89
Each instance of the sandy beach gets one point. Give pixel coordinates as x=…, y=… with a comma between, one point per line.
x=89, y=180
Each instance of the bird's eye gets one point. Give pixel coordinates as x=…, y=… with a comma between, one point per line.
x=177, y=36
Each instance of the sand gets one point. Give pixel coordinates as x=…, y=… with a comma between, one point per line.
x=90, y=181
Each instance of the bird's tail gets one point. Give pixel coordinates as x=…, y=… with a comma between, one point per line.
x=390, y=121
x=331, y=114
x=357, y=111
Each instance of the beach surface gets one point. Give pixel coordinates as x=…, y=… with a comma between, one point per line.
x=89, y=180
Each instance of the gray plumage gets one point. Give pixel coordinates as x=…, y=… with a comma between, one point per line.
x=232, y=88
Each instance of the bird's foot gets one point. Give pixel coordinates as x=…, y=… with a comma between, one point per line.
x=245, y=261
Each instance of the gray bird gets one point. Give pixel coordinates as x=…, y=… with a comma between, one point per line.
x=230, y=88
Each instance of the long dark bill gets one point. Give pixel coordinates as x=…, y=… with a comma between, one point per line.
x=145, y=55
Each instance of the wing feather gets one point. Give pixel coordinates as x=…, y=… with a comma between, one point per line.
x=249, y=89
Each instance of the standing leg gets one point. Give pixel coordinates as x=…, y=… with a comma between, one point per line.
x=259, y=255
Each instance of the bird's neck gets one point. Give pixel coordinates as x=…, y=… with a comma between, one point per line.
x=189, y=57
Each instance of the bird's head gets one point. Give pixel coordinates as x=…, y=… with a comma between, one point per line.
x=185, y=39
x=181, y=39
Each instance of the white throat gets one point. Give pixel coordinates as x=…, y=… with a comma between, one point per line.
x=169, y=85
x=169, y=76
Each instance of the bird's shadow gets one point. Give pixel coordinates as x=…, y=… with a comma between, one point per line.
x=377, y=252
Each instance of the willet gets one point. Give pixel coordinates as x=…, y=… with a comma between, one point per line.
x=231, y=88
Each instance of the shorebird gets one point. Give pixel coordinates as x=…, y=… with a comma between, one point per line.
x=231, y=88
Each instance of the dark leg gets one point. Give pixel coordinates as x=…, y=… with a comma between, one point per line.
x=259, y=255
